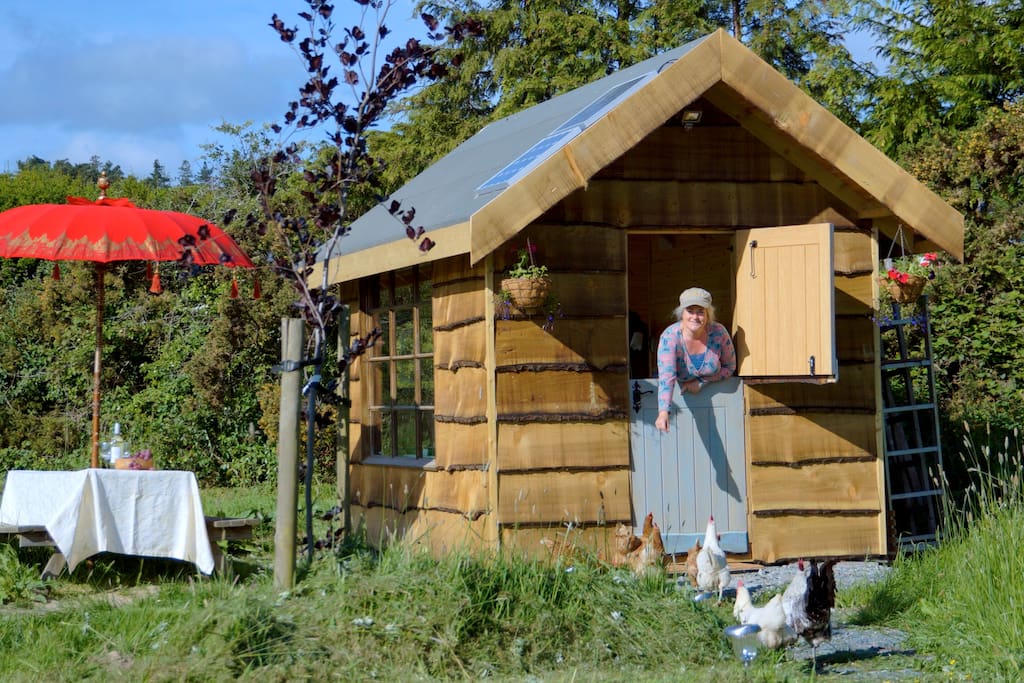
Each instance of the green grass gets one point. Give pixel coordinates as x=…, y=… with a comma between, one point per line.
x=965, y=598
x=359, y=615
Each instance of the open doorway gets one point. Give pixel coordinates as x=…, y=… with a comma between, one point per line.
x=698, y=468
x=662, y=266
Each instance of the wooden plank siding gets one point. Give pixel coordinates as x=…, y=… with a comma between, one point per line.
x=594, y=542
x=554, y=499
x=446, y=504
x=563, y=445
x=436, y=532
x=815, y=473
x=536, y=436
x=561, y=394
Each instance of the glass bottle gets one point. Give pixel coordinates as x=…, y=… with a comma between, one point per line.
x=116, y=445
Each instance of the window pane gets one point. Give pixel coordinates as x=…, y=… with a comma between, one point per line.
x=403, y=332
x=427, y=432
x=406, y=382
x=384, y=295
x=382, y=347
x=403, y=295
x=426, y=290
x=386, y=432
x=407, y=433
x=426, y=381
x=426, y=329
x=382, y=395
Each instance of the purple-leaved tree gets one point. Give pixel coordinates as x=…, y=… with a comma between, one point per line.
x=350, y=82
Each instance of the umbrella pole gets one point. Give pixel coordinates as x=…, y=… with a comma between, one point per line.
x=97, y=364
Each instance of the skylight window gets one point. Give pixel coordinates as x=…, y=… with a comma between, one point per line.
x=561, y=136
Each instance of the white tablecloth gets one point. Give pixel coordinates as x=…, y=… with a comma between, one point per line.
x=132, y=512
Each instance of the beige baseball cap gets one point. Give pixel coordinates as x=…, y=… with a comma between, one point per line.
x=695, y=296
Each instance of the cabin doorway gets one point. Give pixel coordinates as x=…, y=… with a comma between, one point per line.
x=698, y=468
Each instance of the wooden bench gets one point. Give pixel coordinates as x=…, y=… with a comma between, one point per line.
x=224, y=529
x=34, y=536
x=218, y=529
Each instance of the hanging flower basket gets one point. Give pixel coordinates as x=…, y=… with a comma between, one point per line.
x=527, y=293
x=906, y=291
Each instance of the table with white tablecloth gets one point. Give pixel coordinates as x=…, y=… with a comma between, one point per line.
x=131, y=512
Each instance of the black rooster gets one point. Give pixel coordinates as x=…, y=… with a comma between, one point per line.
x=808, y=603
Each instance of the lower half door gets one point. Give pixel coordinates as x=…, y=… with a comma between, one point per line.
x=695, y=470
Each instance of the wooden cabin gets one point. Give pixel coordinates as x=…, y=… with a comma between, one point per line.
x=700, y=167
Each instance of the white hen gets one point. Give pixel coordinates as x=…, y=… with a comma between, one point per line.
x=795, y=596
x=712, y=567
x=775, y=633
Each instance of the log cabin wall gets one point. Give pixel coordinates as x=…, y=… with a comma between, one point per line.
x=558, y=454
x=815, y=477
x=444, y=506
x=561, y=394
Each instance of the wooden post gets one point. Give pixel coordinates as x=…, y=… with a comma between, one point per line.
x=343, y=453
x=292, y=337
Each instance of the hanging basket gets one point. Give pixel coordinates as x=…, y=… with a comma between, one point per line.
x=527, y=293
x=906, y=292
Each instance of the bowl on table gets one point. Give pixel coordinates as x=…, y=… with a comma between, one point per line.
x=143, y=460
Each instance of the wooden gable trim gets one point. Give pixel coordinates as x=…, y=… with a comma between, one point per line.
x=781, y=114
x=402, y=253
x=680, y=83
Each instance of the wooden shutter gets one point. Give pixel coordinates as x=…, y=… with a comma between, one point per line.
x=784, y=313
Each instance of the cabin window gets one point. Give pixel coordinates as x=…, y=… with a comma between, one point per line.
x=401, y=368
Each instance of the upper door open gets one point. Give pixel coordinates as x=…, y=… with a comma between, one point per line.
x=784, y=310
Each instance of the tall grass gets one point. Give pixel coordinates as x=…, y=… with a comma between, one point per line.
x=360, y=615
x=964, y=600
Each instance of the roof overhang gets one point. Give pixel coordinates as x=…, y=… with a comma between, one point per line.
x=741, y=84
x=401, y=253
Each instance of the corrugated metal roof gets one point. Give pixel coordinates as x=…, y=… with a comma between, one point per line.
x=446, y=194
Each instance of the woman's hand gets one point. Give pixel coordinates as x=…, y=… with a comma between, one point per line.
x=662, y=422
x=693, y=386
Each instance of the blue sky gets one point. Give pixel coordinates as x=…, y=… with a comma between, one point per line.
x=132, y=81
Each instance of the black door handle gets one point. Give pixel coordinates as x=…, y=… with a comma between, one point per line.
x=638, y=396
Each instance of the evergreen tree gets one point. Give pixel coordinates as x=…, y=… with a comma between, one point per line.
x=205, y=175
x=185, y=173
x=158, y=178
x=948, y=62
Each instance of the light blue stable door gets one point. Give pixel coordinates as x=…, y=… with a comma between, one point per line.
x=695, y=470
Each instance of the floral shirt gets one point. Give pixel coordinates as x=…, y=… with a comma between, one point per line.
x=675, y=365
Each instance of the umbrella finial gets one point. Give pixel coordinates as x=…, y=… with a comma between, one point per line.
x=103, y=184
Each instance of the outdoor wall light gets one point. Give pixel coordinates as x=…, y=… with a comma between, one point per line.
x=690, y=117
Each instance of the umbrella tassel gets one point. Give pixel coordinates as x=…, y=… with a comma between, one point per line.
x=56, y=271
x=256, y=291
x=155, y=287
x=234, y=288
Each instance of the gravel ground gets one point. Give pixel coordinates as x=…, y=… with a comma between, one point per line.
x=856, y=653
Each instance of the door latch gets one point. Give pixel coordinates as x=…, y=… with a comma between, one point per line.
x=638, y=396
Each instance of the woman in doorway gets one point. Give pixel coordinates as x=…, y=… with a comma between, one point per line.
x=692, y=352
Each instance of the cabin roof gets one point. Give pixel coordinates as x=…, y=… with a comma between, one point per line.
x=498, y=181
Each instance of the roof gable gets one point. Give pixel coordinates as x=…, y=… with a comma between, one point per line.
x=455, y=198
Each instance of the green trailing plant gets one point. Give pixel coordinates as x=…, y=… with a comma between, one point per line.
x=527, y=268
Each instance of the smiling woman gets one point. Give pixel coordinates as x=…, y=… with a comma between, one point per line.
x=692, y=352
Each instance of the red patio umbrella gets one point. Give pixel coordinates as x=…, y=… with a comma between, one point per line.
x=108, y=230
